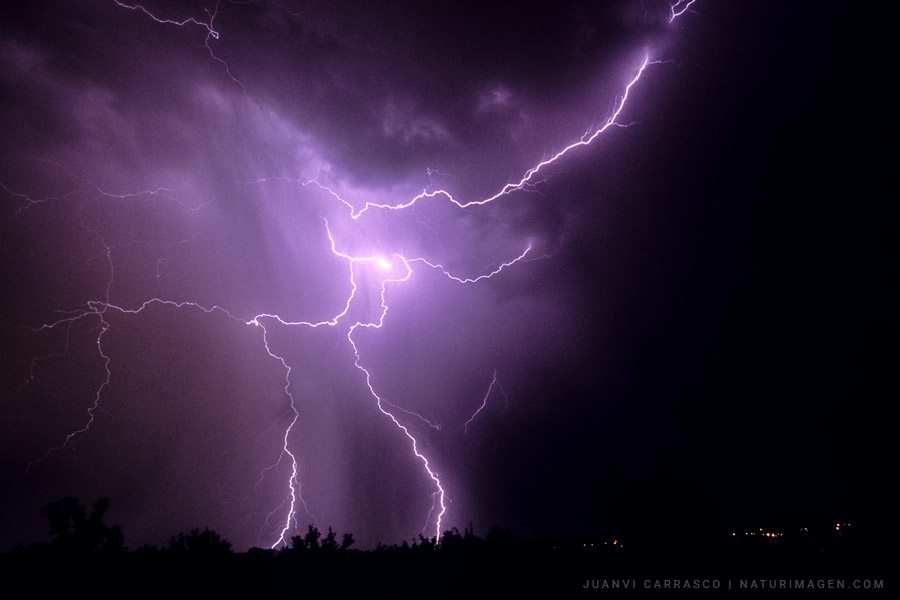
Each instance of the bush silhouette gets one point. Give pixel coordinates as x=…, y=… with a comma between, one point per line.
x=200, y=543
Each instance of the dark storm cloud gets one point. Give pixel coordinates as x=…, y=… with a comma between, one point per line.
x=366, y=99
x=180, y=164
x=150, y=160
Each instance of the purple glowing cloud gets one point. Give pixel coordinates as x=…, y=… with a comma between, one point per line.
x=227, y=206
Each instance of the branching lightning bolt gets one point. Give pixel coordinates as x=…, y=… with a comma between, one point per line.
x=679, y=8
x=103, y=327
x=512, y=186
x=294, y=481
x=210, y=29
x=398, y=269
x=209, y=26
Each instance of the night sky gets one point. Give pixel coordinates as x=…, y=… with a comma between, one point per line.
x=688, y=338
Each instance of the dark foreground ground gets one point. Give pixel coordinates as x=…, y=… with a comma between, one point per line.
x=846, y=564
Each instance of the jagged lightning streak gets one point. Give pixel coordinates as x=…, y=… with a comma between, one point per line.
x=487, y=395
x=380, y=402
x=29, y=201
x=210, y=28
x=473, y=279
x=32, y=368
x=104, y=327
x=415, y=444
x=432, y=424
x=511, y=186
x=99, y=309
x=92, y=309
x=294, y=481
x=676, y=9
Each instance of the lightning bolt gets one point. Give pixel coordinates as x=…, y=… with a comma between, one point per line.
x=487, y=395
x=103, y=328
x=512, y=186
x=209, y=26
x=679, y=8
x=294, y=480
x=397, y=269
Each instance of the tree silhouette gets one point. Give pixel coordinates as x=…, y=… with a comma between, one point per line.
x=425, y=545
x=329, y=543
x=347, y=541
x=310, y=541
x=74, y=530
